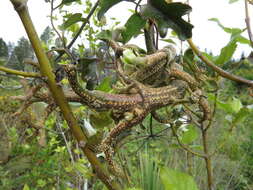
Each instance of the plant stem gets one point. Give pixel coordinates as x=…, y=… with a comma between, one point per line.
x=20, y=73
x=149, y=38
x=207, y=159
x=189, y=162
x=217, y=69
x=247, y=20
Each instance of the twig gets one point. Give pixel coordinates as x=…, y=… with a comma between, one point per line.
x=214, y=111
x=207, y=158
x=20, y=73
x=217, y=69
x=32, y=63
x=192, y=111
x=188, y=15
x=151, y=126
x=137, y=5
x=53, y=26
x=247, y=21
x=66, y=142
x=62, y=50
x=157, y=36
x=149, y=38
x=56, y=7
x=27, y=99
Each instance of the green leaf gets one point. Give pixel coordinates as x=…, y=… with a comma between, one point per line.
x=226, y=29
x=105, y=35
x=100, y=120
x=190, y=135
x=235, y=104
x=232, y=106
x=232, y=1
x=173, y=145
x=162, y=28
x=168, y=41
x=242, y=40
x=131, y=58
x=68, y=1
x=210, y=56
x=168, y=16
x=240, y=116
x=41, y=183
x=172, y=10
x=225, y=106
x=105, y=85
x=74, y=18
x=105, y=5
x=81, y=168
x=128, y=56
x=175, y=180
x=132, y=27
x=235, y=32
x=188, y=56
x=196, y=147
x=226, y=53
x=26, y=187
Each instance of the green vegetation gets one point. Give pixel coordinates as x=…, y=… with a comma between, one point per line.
x=51, y=137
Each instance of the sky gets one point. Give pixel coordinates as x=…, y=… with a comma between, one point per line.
x=206, y=34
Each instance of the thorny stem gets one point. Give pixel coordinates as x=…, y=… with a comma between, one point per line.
x=217, y=69
x=247, y=20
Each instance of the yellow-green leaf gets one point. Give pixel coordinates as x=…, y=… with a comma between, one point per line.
x=190, y=135
x=175, y=180
x=26, y=187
